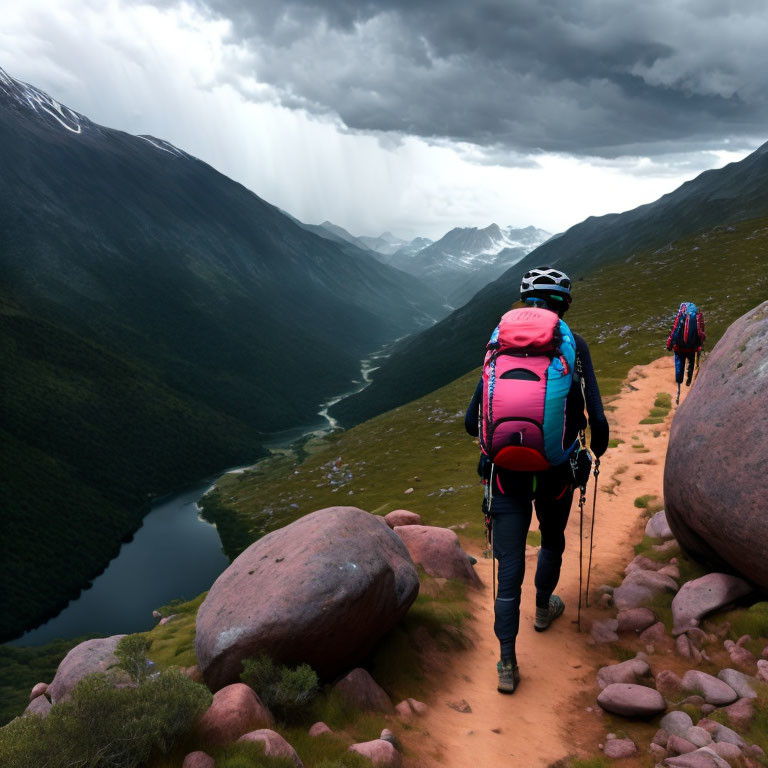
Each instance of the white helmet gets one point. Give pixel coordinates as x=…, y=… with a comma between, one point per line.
x=544, y=283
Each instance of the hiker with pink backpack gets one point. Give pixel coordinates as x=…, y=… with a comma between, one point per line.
x=528, y=413
x=686, y=339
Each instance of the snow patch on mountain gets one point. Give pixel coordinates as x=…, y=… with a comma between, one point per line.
x=164, y=146
x=31, y=98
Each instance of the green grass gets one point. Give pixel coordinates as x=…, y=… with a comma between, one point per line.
x=643, y=502
x=615, y=442
x=663, y=400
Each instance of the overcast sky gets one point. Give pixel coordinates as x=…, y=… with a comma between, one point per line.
x=417, y=115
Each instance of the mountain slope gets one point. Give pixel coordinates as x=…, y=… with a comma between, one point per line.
x=735, y=193
x=159, y=318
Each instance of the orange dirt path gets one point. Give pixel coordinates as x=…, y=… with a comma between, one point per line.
x=547, y=719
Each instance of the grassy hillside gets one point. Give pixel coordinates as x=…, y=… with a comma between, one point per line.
x=624, y=311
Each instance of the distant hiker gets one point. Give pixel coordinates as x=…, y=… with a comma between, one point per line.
x=528, y=411
x=686, y=339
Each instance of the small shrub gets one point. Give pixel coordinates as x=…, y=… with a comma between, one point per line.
x=642, y=502
x=284, y=690
x=615, y=442
x=132, y=652
x=107, y=727
x=663, y=400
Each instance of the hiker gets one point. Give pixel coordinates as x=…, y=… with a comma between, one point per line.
x=686, y=339
x=528, y=477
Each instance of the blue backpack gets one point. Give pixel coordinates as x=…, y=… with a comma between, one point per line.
x=686, y=336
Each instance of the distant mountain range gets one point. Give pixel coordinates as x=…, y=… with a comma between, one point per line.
x=419, y=365
x=156, y=319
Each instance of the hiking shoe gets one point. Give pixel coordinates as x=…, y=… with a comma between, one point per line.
x=509, y=676
x=545, y=616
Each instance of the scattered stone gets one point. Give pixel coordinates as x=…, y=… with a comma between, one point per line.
x=387, y=735
x=605, y=589
x=631, y=700
x=408, y=490
x=661, y=737
x=166, y=619
x=698, y=736
x=701, y=596
x=721, y=732
x=402, y=517
x=635, y=619
x=419, y=707
x=157, y=615
x=667, y=546
x=698, y=637
x=681, y=746
x=695, y=701
x=321, y=590
x=701, y=758
x=274, y=745
x=438, y=552
x=618, y=748
x=403, y=709
x=318, y=729
x=762, y=670
x=740, y=682
x=38, y=706
x=707, y=709
x=713, y=690
x=193, y=673
x=639, y=587
x=605, y=601
x=378, y=751
x=655, y=635
x=658, y=527
x=740, y=713
x=656, y=581
x=38, y=690
x=625, y=672
x=657, y=751
x=669, y=684
x=460, y=706
x=360, y=690
x=687, y=649
x=742, y=657
x=198, y=760
x=726, y=750
x=676, y=722
x=84, y=659
x=671, y=570
x=604, y=631
x=235, y=710
x=643, y=563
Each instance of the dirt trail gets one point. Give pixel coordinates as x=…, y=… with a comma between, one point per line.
x=547, y=718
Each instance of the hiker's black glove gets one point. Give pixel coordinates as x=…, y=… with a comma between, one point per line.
x=582, y=467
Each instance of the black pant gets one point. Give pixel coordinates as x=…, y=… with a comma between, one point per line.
x=551, y=492
x=680, y=359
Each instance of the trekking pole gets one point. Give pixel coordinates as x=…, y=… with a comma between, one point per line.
x=581, y=553
x=592, y=529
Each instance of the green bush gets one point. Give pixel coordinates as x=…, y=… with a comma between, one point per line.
x=286, y=691
x=131, y=653
x=107, y=727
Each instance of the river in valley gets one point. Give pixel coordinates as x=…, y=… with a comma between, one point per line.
x=175, y=553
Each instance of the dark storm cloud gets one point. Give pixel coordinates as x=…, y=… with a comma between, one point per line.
x=587, y=77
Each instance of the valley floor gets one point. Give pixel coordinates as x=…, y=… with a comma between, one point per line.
x=553, y=714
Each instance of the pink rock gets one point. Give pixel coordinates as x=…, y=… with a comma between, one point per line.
x=318, y=729
x=321, y=590
x=740, y=713
x=713, y=690
x=656, y=581
x=38, y=690
x=721, y=732
x=670, y=570
x=762, y=670
x=166, y=619
x=604, y=631
x=658, y=527
x=658, y=752
x=698, y=637
x=667, y=546
x=764, y=654
x=702, y=596
x=669, y=684
x=193, y=673
x=687, y=649
x=713, y=491
x=726, y=750
x=699, y=737
x=631, y=700
x=661, y=737
x=274, y=745
x=655, y=634
x=635, y=619
x=402, y=517
x=701, y=758
x=438, y=552
x=419, y=707
x=625, y=672
x=363, y=692
x=643, y=563
x=84, y=659
x=676, y=722
x=235, y=710
x=680, y=746
x=38, y=706
x=740, y=682
x=403, y=709
x=618, y=748
x=379, y=752
x=742, y=657
x=198, y=760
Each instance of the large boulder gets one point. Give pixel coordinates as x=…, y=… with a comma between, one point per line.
x=322, y=590
x=84, y=659
x=631, y=700
x=701, y=596
x=715, y=485
x=438, y=552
